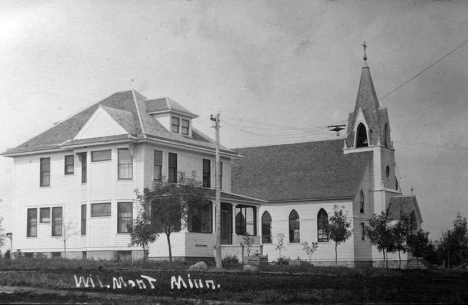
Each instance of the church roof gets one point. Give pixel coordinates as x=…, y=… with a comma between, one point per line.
x=127, y=108
x=301, y=171
x=405, y=204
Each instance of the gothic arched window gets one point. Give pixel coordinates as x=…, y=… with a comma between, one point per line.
x=361, y=136
x=294, y=227
x=266, y=228
x=322, y=221
x=361, y=202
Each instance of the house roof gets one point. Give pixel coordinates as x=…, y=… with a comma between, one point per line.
x=301, y=171
x=405, y=204
x=234, y=197
x=127, y=108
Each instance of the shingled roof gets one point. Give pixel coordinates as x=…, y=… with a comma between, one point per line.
x=405, y=204
x=127, y=108
x=301, y=171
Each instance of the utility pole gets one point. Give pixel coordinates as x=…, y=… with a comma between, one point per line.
x=218, y=260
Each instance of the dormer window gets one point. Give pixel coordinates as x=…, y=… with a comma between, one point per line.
x=185, y=127
x=175, y=124
x=361, y=136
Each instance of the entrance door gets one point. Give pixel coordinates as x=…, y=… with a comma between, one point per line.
x=226, y=224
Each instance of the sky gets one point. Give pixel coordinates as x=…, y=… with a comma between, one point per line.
x=277, y=72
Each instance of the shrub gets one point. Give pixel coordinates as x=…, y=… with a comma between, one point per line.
x=7, y=254
x=282, y=260
x=230, y=260
x=18, y=254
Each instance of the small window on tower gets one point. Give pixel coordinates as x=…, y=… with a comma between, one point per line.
x=387, y=171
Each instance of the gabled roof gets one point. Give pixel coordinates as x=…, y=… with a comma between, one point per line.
x=129, y=109
x=166, y=104
x=302, y=171
x=405, y=204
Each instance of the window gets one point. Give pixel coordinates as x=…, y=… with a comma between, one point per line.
x=361, y=137
x=157, y=171
x=125, y=164
x=361, y=202
x=266, y=228
x=84, y=167
x=363, y=232
x=172, y=168
x=220, y=175
x=124, y=216
x=83, y=219
x=32, y=223
x=57, y=221
x=69, y=164
x=206, y=173
x=200, y=219
x=101, y=155
x=100, y=209
x=246, y=220
x=44, y=215
x=175, y=124
x=185, y=127
x=387, y=171
x=45, y=172
x=294, y=227
x=322, y=222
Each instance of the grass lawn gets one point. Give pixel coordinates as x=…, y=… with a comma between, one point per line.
x=291, y=286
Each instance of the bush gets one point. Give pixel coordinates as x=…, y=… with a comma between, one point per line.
x=282, y=260
x=7, y=254
x=230, y=260
x=18, y=254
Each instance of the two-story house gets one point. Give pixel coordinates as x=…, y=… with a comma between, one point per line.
x=79, y=179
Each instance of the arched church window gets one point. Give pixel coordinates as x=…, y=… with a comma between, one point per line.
x=361, y=136
x=266, y=228
x=361, y=202
x=294, y=227
x=322, y=221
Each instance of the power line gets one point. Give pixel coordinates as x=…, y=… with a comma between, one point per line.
x=425, y=69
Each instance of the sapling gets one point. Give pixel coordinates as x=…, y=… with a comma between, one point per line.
x=310, y=249
x=280, y=245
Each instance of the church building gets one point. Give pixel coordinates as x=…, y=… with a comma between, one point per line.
x=79, y=179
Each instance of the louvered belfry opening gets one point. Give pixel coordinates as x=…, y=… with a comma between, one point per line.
x=362, y=140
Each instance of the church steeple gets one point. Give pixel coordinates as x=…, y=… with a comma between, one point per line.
x=367, y=123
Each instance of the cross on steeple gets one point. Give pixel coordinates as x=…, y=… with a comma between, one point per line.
x=365, y=46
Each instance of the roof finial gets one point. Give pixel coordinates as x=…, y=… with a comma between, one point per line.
x=365, y=46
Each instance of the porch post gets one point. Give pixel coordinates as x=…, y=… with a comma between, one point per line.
x=233, y=222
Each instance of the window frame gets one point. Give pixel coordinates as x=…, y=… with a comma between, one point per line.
x=322, y=236
x=266, y=228
x=40, y=215
x=206, y=173
x=196, y=218
x=157, y=166
x=55, y=224
x=183, y=128
x=362, y=138
x=30, y=223
x=107, y=158
x=67, y=164
x=241, y=222
x=294, y=222
x=175, y=124
x=363, y=232
x=93, y=205
x=83, y=219
x=172, y=170
x=361, y=202
x=123, y=220
x=120, y=164
x=44, y=172
x=84, y=167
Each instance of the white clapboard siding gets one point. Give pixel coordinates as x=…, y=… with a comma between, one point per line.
x=101, y=231
x=199, y=244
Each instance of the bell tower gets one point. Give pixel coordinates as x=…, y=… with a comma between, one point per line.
x=369, y=130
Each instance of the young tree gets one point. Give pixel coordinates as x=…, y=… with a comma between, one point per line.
x=400, y=230
x=142, y=229
x=69, y=229
x=280, y=245
x=171, y=203
x=310, y=249
x=454, y=243
x=380, y=234
x=2, y=234
x=418, y=243
x=338, y=228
